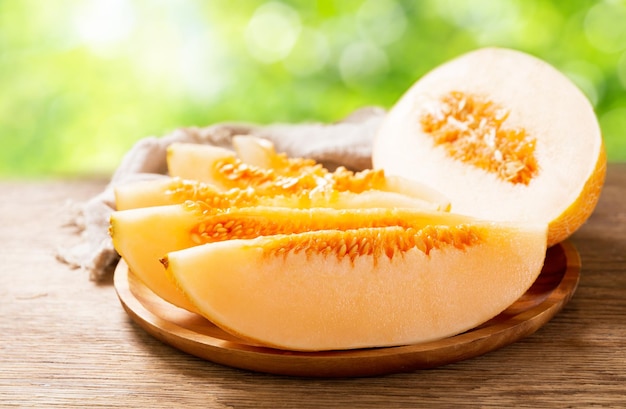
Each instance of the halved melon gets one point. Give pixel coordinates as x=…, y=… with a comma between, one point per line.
x=285, y=176
x=143, y=236
x=504, y=135
x=368, y=287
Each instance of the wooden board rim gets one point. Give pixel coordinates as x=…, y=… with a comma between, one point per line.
x=171, y=325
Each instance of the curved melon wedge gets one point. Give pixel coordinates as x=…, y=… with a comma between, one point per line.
x=197, y=162
x=168, y=191
x=143, y=236
x=260, y=152
x=221, y=168
x=313, y=291
x=257, y=151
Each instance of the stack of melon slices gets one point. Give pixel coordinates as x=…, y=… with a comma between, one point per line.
x=285, y=253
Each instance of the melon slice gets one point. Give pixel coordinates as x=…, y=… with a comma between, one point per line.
x=260, y=152
x=257, y=152
x=167, y=191
x=502, y=134
x=143, y=236
x=223, y=169
x=368, y=287
x=197, y=162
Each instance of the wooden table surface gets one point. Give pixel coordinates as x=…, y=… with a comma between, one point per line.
x=66, y=341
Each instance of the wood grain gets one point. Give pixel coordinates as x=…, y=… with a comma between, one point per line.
x=67, y=342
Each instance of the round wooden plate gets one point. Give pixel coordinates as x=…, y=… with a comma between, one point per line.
x=197, y=336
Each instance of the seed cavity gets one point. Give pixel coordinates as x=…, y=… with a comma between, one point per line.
x=389, y=242
x=345, y=180
x=471, y=129
x=343, y=233
x=293, y=175
x=206, y=198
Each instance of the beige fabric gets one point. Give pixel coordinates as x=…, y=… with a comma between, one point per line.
x=346, y=143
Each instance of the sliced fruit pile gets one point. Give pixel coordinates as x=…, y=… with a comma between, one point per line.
x=159, y=216
x=334, y=260
x=285, y=253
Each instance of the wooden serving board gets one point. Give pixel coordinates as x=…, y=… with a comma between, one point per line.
x=195, y=335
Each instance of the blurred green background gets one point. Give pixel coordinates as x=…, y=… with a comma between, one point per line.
x=82, y=80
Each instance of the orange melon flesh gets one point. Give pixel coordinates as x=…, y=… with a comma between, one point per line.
x=257, y=152
x=222, y=168
x=145, y=193
x=143, y=236
x=504, y=136
x=284, y=175
x=196, y=162
x=170, y=191
x=392, y=286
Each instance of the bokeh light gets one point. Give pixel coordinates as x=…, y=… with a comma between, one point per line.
x=272, y=32
x=605, y=26
x=83, y=80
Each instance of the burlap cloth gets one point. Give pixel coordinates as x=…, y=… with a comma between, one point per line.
x=347, y=142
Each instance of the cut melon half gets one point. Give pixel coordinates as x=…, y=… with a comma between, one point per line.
x=502, y=134
x=368, y=287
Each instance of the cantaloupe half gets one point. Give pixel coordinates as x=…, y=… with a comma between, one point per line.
x=281, y=175
x=504, y=135
x=368, y=287
x=167, y=191
x=143, y=236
